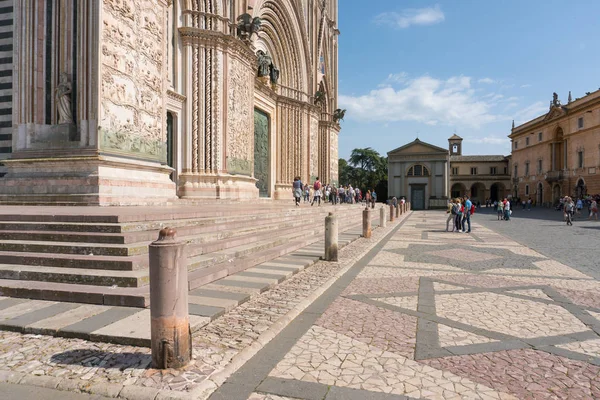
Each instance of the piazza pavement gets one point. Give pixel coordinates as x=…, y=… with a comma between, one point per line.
x=510, y=311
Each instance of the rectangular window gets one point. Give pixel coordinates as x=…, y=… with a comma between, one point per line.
x=527, y=169
x=526, y=190
x=540, y=137
x=580, y=123
x=580, y=159
x=505, y=170
x=527, y=141
x=539, y=167
x=474, y=171
x=492, y=170
x=454, y=170
x=517, y=144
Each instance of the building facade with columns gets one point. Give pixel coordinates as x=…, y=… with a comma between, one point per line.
x=558, y=153
x=428, y=175
x=143, y=101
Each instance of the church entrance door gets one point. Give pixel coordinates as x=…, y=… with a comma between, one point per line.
x=418, y=197
x=262, y=165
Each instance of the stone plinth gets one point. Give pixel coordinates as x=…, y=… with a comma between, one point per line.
x=86, y=179
x=217, y=186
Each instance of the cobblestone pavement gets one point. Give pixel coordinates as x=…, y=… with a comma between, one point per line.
x=125, y=371
x=429, y=314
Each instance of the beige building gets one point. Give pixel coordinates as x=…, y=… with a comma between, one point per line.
x=143, y=101
x=558, y=153
x=428, y=175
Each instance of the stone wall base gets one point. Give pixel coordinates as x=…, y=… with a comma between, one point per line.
x=283, y=192
x=217, y=186
x=86, y=180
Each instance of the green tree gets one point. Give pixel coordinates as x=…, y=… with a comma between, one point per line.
x=366, y=169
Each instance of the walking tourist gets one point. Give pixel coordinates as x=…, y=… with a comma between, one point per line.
x=316, y=193
x=298, y=187
x=579, y=205
x=507, y=210
x=594, y=210
x=451, y=215
x=499, y=209
x=373, y=197
x=467, y=216
x=306, y=193
x=457, y=214
x=569, y=210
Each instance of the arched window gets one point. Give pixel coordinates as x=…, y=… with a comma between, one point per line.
x=418, y=170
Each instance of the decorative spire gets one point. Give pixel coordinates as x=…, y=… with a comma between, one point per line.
x=570, y=98
x=513, y=126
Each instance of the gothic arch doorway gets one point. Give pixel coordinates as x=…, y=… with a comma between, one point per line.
x=458, y=190
x=556, y=193
x=580, y=189
x=540, y=194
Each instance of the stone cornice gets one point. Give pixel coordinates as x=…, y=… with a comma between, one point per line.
x=214, y=39
x=176, y=96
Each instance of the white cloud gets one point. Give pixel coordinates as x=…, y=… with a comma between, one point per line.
x=525, y=86
x=411, y=16
x=486, y=80
x=530, y=112
x=400, y=77
x=425, y=100
x=496, y=140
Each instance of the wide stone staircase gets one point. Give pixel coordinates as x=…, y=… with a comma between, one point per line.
x=100, y=255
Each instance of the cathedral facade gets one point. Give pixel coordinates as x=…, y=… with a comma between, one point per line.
x=123, y=102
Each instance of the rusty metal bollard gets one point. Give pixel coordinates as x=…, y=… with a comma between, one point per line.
x=382, y=220
x=331, y=238
x=171, y=337
x=397, y=210
x=367, y=230
x=391, y=213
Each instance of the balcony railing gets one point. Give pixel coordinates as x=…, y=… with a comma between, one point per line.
x=554, y=176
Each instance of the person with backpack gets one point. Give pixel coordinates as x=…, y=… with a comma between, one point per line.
x=317, y=192
x=499, y=209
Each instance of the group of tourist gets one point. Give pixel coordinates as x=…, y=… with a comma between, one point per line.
x=330, y=193
x=459, y=212
x=503, y=209
x=572, y=208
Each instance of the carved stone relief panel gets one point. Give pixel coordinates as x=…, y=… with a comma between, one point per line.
x=314, y=148
x=261, y=152
x=240, y=119
x=132, y=100
x=334, y=157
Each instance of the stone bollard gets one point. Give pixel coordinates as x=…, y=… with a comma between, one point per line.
x=171, y=338
x=382, y=220
x=397, y=210
x=367, y=230
x=331, y=238
x=391, y=213
x=373, y=205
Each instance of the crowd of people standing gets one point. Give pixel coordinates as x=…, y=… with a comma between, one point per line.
x=316, y=193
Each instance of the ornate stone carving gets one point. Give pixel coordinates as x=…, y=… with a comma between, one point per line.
x=333, y=157
x=240, y=139
x=338, y=115
x=247, y=26
x=314, y=148
x=132, y=96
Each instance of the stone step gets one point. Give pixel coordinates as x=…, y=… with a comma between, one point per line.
x=17, y=225
x=75, y=275
x=113, y=263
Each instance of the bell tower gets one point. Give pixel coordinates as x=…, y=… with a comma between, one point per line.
x=455, y=145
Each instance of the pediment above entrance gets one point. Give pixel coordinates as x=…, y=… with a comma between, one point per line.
x=419, y=148
x=556, y=112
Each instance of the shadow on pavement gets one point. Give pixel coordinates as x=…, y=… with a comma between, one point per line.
x=102, y=359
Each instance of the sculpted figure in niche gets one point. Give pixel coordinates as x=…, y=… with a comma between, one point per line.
x=63, y=100
x=274, y=74
x=264, y=63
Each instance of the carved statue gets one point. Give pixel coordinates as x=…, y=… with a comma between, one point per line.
x=247, y=26
x=338, y=115
x=63, y=100
x=555, y=101
x=264, y=63
x=274, y=73
x=319, y=97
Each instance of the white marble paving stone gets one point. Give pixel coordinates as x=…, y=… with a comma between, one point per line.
x=24, y=308
x=408, y=302
x=450, y=336
x=68, y=317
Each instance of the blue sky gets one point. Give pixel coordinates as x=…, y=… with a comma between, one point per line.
x=430, y=69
